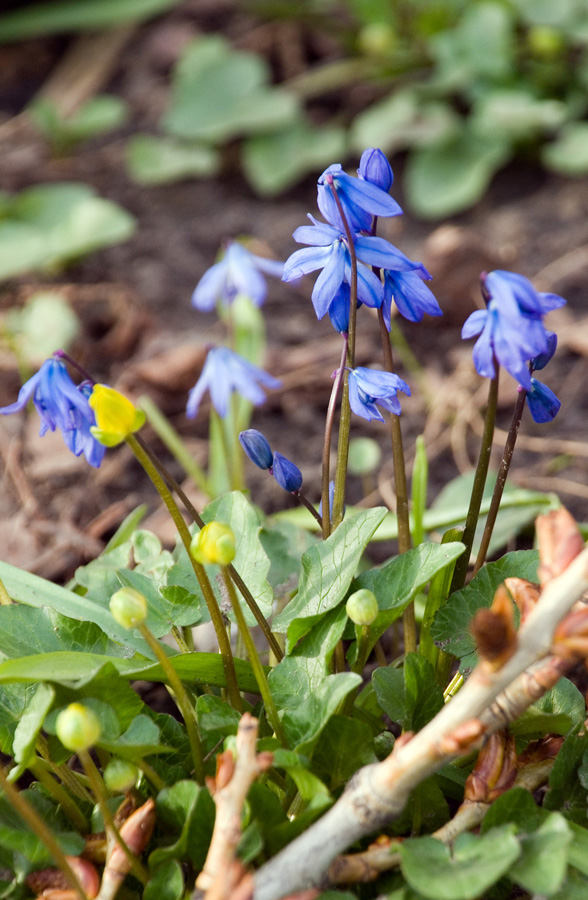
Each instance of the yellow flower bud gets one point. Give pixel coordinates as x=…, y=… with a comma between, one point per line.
x=128, y=607
x=77, y=727
x=116, y=416
x=214, y=544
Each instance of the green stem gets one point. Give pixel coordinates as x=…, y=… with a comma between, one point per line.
x=100, y=794
x=182, y=700
x=39, y=769
x=402, y=508
x=270, y=707
x=67, y=777
x=329, y=420
x=42, y=831
x=501, y=478
x=199, y=570
x=438, y=593
x=174, y=443
x=461, y=567
x=197, y=518
x=151, y=775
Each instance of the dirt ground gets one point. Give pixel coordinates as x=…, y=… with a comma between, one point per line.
x=141, y=334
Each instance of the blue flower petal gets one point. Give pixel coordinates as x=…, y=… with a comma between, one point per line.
x=543, y=404
x=302, y=262
x=286, y=473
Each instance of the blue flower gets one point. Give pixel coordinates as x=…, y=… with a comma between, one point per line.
x=286, y=473
x=328, y=251
x=361, y=200
x=224, y=372
x=511, y=327
x=238, y=272
x=62, y=405
x=543, y=404
x=539, y=362
x=375, y=168
x=412, y=298
x=257, y=447
x=369, y=388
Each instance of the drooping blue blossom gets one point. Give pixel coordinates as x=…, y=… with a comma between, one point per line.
x=238, y=272
x=286, y=473
x=360, y=199
x=224, y=372
x=412, y=297
x=370, y=388
x=511, y=327
x=543, y=404
x=539, y=362
x=329, y=251
x=375, y=168
x=63, y=405
x=257, y=447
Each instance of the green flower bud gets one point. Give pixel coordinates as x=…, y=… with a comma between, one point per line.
x=214, y=544
x=77, y=727
x=362, y=607
x=128, y=607
x=120, y=775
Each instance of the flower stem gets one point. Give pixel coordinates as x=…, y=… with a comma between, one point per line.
x=326, y=476
x=100, y=794
x=270, y=707
x=197, y=518
x=501, y=478
x=199, y=570
x=306, y=502
x=174, y=443
x=402, y=510
x=42, y=831
x=182, y=700
x=345, y=418
x=461, y=566
x=39, y=769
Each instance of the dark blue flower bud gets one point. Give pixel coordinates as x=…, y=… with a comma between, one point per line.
x=540, y=361
x=257, y=448
x=375, y=168
x=286, y=473
x=543, y=404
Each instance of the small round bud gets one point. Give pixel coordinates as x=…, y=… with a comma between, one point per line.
x=257, y=448
x=77, y=727
x=378, y=39
x=120, y=775
x=128, y=607
x=215, y=543
x=286, y=473
x=362, y=607
x=545, y=42
x=375, y=168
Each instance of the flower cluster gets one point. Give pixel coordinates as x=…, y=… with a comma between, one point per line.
x=258, y=449
x=237, y=273
x=61, y=404
x=224, y=372
x=351, y=205
x=512, y=334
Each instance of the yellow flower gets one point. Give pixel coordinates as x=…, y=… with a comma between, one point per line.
x=116, y=416
x=214, y=544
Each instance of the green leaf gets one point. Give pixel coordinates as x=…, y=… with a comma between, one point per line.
x=397, y=583
x=565, y=792
x=515, y=114
x=197, y=667
x=31, y=722
x=15, y=834
x=216, y=720
x=343, y=747
x=401, y=120
x=219, y=93
x=514, y=807
x=161, y=613
x=446, y=178
x=14, y=699
x=284, y=544
x=541, y=868
x=187, y=809
x=478, y=49
x=475, y=864
x=274, y=162
x=411, y=697
x=426, y=810
x=328, y=569
x=564, y=699
x=451, y=624
x=166, y=882
x=97, y=115
x=568, y=155
x=51, y=224
x=44, y=324
x=76, y=15
x=159, y=160
x=25, y=631
x=139, y=740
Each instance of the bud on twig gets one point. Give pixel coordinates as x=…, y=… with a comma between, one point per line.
x=493, y=630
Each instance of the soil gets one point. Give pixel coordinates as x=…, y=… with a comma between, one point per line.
x=141, y=334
